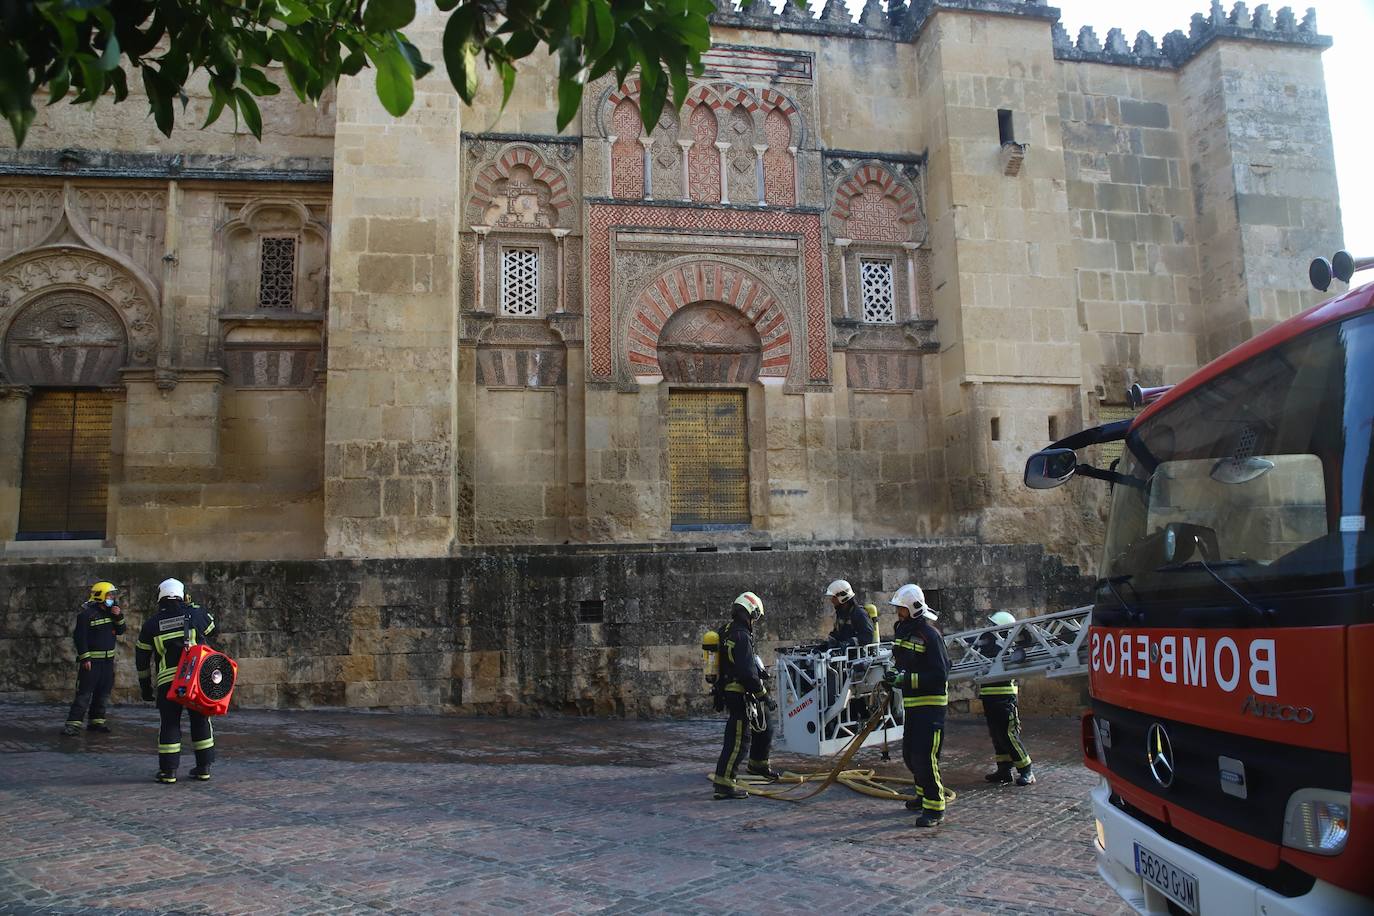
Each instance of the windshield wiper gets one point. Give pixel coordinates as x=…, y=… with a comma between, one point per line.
x=1263, y=613
x=1111, y=582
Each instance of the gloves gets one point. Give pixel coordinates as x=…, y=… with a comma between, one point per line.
x=896, y=678
x=146, y=691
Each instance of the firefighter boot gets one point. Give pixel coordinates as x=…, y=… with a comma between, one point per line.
x=762, y=769
x=70, y=730
x=99, y=726
x=200, y=774
x=725, y=791
x=1025, y=777
x=1002, y=776
x=929, y=819
x=165, y=778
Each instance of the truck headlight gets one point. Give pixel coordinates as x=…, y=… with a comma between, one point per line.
x=1317, y=820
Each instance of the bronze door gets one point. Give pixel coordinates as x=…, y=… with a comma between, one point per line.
x=66, y=465
x=708, y=459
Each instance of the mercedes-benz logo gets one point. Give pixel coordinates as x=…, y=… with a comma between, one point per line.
x=1160, y=754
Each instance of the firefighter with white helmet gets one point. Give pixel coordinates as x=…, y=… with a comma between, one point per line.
x=852, y=624
x=740, y=690
x=156, y=655
x=920, y=671
x=99, y=624
x=1002, y=713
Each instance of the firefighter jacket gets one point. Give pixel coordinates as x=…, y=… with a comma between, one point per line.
x=739, y=668
x=160, y=641
x=918, y=651
x=852, y=625
x=96, y=631
x=987, y=646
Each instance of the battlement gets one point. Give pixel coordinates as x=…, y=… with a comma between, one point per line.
x=899, y=21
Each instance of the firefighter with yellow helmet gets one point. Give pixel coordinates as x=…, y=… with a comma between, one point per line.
x=740, y=691
x=1002, y=713
x=99, y=624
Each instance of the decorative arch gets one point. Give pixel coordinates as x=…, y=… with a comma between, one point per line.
x=703, y=159
x=272, y=216
x=627, y=153
x=872, y=204
x=65, y=337
x=695, y=281
x=709, y=342
x=774, y=101
x=521, y=161
x=103, y=283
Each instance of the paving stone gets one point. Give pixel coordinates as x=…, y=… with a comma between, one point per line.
x=330, y=811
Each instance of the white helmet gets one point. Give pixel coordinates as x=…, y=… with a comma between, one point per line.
x=840, y=589
x=752, y=604
x=1003, y=618
x=171, y=588
x=913, y=599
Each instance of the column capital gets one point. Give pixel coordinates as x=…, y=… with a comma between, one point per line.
x=842, y=243
x=560, y=233
x=911, y=246
x=760, y=149
x=15, y=391
x=685, y=144
x=481, y=230
x=722, y=145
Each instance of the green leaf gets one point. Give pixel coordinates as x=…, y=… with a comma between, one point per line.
x=445, y=5
x=577, y=17
x=418, y=66
x=521, y=44
x=605, y=29
x=109, y=58
x=569, y=100
x=651, y=101
x=256, y=82
x=507, y=84
x=292, y=12
x=159, y=100
x=460, y=55
x=217, y=99
x=395, y=81
x=59, y=84
x=248, y=110
x=388, y=15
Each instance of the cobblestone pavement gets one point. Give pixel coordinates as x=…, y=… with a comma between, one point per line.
x=335, y=811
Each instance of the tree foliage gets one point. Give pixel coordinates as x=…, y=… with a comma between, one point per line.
x=86, y=49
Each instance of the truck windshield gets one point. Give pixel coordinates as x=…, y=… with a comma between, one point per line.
x=1261, y=477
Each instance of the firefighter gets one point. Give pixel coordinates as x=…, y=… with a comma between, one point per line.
x=852, y=624
x=742, y=692
x=156, y=655
x=920, y=669
x=1002, y=715
x=99, y=624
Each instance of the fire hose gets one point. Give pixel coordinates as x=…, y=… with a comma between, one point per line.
x=864, y=781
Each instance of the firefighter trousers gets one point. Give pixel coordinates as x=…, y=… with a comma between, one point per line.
x=169, y=735
x=92, y=691
x=1004, y=726
x=740, y=744
x=922, y=734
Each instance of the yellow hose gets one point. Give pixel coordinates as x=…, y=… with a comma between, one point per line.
x=866, y=782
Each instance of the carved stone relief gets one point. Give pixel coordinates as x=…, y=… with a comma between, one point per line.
x=129, y=220
x=26, y=215
x=709, y=342
x=44, y=272
x=67, y=338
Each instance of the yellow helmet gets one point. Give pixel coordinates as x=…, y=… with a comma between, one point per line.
x=752, y=604
x=100, y=590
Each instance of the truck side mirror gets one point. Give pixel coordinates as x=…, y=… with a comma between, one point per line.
x=1050, y=468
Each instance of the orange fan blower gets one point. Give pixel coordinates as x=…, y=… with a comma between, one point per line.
x=204, y=680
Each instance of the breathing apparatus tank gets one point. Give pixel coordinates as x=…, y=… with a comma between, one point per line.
x=710, y=655
x=872, y=610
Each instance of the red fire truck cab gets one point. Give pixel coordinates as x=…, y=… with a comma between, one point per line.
x=1232, y=639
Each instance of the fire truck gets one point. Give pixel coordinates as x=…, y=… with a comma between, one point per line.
x=1231, y=637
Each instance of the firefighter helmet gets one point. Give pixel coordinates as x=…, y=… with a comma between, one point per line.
x=1003, y=618
x=840, y=589
x=101, y=590
x=913, y=599
x=171, y=588
x=752, y=604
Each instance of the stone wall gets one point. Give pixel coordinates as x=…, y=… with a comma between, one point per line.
x=513, y=632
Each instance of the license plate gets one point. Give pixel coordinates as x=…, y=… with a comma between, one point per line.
x=1166, y=877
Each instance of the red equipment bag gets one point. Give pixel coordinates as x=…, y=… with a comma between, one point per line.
x=204, y=680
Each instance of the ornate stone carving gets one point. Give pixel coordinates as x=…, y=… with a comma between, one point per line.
x=68, y=338
x=873, y=204
x=129, y=220
x=522, y=367
x=45, y=270
x=26, y=215
x=708, y=342
x=245, y=261
x=520, y=189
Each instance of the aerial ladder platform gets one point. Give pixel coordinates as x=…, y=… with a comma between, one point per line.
x=825, y=696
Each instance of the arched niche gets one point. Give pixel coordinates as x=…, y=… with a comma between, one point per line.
x=709, y=342
x=276, y=257
x=66, y=338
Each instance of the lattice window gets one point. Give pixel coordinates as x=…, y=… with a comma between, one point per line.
x=520, y=282
x=879, y=300
x=277, y=272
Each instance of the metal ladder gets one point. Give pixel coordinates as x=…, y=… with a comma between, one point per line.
x=1054, y=645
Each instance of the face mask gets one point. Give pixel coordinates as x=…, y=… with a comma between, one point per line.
x=109, y=602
